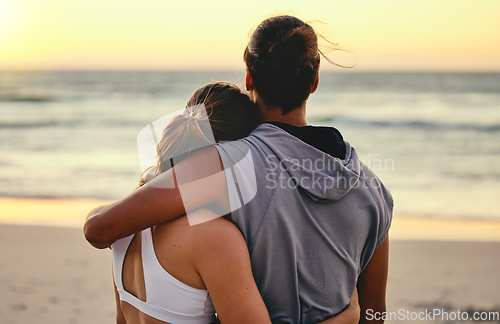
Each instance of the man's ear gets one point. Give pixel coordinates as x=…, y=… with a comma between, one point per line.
x=316, y=83
x=248, y=81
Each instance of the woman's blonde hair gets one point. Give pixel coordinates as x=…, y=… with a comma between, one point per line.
x=219, y=111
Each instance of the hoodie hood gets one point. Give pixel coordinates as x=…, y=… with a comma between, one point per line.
x=320, y=175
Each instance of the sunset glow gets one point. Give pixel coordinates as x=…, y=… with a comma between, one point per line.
x=6, y=15
x=155, y=34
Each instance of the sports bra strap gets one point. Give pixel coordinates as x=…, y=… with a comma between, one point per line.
x=120, y=248
x=167, y=298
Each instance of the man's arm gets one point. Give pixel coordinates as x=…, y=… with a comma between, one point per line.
x=160, y=200
x=372, y=283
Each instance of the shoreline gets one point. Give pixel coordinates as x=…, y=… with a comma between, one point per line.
x=71, y=213
x=59, y=212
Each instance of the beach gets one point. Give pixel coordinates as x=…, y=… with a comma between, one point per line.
x=50, y=274
x=425, y=118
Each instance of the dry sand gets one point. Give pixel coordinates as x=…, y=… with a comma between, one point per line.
x=51, y=275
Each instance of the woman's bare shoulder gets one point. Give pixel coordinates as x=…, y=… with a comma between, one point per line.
x=215, y=228
x=214, y=235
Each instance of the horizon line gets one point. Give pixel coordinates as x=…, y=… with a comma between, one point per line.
x=187, y=70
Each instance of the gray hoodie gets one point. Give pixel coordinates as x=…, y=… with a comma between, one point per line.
x=311, y=225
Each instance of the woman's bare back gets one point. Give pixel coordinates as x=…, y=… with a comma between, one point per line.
x=172, y=246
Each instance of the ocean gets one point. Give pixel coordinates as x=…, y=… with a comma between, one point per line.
x=433, y=138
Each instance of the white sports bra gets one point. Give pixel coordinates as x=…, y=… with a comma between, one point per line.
x=167, y=298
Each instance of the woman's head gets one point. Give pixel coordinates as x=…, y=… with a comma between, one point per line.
x=283, y=58
x=219, y=111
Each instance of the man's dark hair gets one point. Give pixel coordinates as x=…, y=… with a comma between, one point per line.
x=283, y=58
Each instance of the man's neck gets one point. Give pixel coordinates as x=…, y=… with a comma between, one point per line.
x=296, y=117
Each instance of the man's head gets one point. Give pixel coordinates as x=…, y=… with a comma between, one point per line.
x=282, y=58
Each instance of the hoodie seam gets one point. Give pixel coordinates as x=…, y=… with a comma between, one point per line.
x=266, y=212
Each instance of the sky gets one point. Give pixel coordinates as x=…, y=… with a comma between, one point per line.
x=388, y=35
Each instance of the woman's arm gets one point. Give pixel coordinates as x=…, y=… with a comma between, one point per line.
x=222, y=260
x=161, y=200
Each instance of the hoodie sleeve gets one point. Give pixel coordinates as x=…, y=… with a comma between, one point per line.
x=385, y=216
x=382, y=203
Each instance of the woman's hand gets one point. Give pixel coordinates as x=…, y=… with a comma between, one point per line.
x=350, y=315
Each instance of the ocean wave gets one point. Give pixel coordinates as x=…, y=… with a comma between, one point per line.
x=29, y=124
x=26, y=99
x=70, y=122
x=31, y=95
x=421, y=124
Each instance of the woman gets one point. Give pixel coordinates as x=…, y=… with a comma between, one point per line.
x=163, y=273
